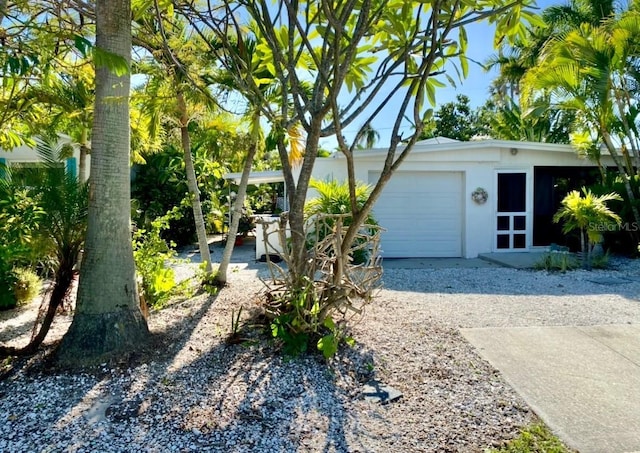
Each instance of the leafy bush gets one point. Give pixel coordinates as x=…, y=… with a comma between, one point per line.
x=303, y=323
x=557, y=260
x=207, y=280
x=317, y=308
x=8, y=280
x=334, y=198
x=27, y=285
x=20, y=215
x=151, y=253
x=161, y=185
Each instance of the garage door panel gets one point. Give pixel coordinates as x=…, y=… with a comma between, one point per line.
x=422, y=213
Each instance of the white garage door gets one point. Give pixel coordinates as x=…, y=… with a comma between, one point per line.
x=422, y=213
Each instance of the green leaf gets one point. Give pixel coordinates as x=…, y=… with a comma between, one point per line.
x=329, y=324
x=117, y=64
x=82, y=44
x=328, y=345
x=431, y=92
x=274, y=330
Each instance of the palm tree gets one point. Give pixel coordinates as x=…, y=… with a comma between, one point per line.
x=69, y=97
x=507, y=122
x=588, y=72
x=108, y=320
x=253, y=115
x=181, y=63
x=590, y=216
x=368, y=137
x=569, y=16
x=515, y=61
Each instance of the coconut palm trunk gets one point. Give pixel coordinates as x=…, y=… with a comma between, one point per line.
x=192, y=183
x=108, y=321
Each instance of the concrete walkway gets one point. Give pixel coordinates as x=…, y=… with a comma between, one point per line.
x=584, y=382
x=515, y=260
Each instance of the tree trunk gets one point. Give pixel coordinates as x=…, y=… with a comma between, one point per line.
x=297, y=201
x=623, y=174
x=84, y=150
x=221, y=276
x=108, y=322
x=192, y=184
x=62, y=285
x=82, y=164
x=583, y=248
x=3, y=9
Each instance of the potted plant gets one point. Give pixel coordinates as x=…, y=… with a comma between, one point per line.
x=244, y=227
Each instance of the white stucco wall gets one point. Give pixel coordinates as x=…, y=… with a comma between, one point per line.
x=26, y=153
x=479, y=163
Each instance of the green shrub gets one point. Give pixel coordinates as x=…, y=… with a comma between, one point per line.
x=8, y=280
x=302, y=319
x=20, y=215
x=27, y=285
x=557, y=260
x=160, y=185
x=334, y=198
x=151, y=253
x=207, y=280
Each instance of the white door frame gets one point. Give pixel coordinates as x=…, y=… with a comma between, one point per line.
x=528, y=213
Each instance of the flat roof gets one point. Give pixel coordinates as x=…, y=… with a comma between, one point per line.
x=257, y=177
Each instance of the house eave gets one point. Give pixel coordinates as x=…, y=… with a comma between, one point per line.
x=465, y=146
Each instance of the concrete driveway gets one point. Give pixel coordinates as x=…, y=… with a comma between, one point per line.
x=584, y=382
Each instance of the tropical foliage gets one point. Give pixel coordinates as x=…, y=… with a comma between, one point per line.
x=589, y=214
x=55, y=218
x=290, y=63
x=591, y=72
x=157, y=282
x=456, y=120
x=333, y=197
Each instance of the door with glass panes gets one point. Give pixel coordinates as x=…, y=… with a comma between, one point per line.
x=511, y=213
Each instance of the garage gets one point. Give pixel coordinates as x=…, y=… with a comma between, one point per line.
x=422, y=213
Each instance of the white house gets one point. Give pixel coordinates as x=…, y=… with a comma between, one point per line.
x=26, y=156
x=433, y=205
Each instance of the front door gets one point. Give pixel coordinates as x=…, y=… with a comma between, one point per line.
x=511, y=215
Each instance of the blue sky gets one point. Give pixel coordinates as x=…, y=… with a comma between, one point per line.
x=475, y=86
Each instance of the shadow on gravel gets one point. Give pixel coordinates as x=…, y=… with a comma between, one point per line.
x=202, y=393
x=10, y=332
x=502, y=281
x=248, y=398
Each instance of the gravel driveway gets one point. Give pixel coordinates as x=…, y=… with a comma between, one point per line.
x=200, y=394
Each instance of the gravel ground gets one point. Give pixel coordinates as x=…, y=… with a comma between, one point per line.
x=197, y=393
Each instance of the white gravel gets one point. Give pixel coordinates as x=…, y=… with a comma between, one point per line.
x=199, y=394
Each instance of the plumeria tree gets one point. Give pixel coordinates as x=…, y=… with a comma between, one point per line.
x=376, y=51
x=355, y=56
